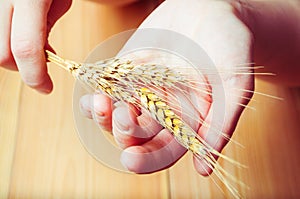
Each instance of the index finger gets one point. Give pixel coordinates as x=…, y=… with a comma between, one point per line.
x=28, y=37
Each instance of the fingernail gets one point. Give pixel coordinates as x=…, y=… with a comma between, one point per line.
x=124, y=161
x=121, y=127
x=99, y=114
x=120, y=104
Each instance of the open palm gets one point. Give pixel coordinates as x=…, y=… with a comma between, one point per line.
x=215, y=26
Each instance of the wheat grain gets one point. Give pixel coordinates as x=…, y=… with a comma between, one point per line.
x=122, y=80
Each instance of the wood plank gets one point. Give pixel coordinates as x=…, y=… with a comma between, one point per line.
x=270, y=135
x=10, y=85
x=50, y=161
x=41, y=155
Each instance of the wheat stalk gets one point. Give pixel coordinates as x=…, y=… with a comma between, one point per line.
x=142, y=86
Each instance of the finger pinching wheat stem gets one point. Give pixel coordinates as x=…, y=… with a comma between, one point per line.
x=123, y=81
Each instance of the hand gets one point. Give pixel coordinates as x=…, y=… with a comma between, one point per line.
x=25, y=25
x=215, y=26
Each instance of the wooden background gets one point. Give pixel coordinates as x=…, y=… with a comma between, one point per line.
x=41, y=155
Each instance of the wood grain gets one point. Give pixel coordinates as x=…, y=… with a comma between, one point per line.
x=10, y=86
x=41, y=155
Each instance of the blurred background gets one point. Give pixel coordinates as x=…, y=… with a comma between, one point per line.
x=41, y=155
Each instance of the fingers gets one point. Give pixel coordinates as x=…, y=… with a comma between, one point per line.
x=98, y=107
x=28, y=38
x=23, y=37
x=129, y=129
x=159, y=153
x=6, y=58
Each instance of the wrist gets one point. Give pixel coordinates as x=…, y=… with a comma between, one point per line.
x=276, y=35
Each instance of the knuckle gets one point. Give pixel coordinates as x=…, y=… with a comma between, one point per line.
x=24, y=49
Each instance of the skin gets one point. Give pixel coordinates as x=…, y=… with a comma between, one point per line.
x=231, y=32
x=116, y=2
x=226, y=50
x=23, y=38
x=276, y=32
